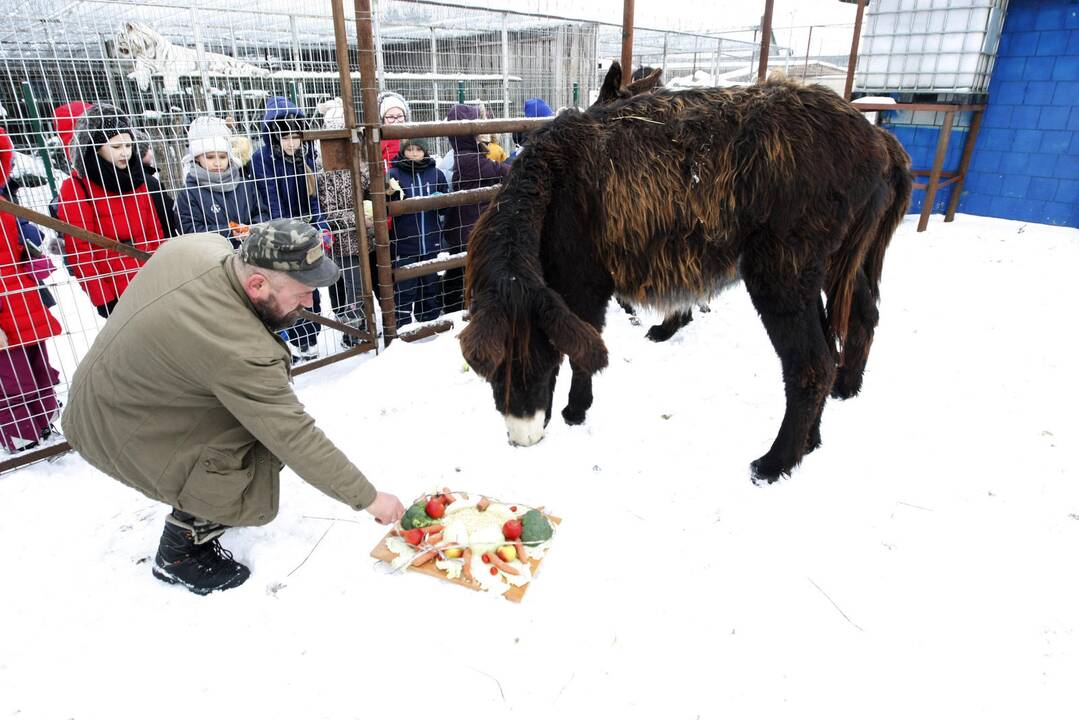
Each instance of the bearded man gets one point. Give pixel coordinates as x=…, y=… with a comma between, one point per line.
x=185, y=395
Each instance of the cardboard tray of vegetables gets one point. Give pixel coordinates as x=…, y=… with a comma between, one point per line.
x=471, y=540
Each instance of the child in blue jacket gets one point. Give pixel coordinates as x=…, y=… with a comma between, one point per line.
x=283, y=169
x=216, y=194
x=417, y=236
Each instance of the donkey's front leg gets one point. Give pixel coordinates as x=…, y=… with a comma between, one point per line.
x=580, y=397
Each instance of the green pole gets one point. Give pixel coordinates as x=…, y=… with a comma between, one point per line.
x=292, y=93
x=39, y=140
x=461, y=91
x=576, y=92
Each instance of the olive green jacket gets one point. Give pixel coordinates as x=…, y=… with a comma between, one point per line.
x=185, y=395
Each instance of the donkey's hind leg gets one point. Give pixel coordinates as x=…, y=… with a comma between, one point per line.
x=863, y=321
x=791, y=317
x=813, y=441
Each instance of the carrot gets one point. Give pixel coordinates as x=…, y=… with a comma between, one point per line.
x=521, y=554
x=432, y=529
x=434, y=539
x=483, y=504
x=424, y=557
x=503, y=565
x=466, y=571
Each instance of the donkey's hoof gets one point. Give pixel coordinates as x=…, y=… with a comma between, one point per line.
x=764, y=471
x=844, y=387
x=572, y=416
x=660, y=333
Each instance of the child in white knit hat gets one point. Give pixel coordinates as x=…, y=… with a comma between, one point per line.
x=216, y=196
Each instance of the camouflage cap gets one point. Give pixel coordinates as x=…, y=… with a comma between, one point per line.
x=293, y=247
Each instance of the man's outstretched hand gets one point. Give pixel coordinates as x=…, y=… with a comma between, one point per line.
x=386, y=508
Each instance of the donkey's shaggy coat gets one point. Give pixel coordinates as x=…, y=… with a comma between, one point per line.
x=663, y=199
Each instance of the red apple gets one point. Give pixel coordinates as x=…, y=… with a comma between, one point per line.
x=435, y=508
x=511, y=529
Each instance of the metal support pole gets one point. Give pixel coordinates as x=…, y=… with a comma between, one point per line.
x=934, y=173
x=295, y=43
x=627, y=42
x=434, y=70
x=39, y=139
x=344, y=71
x=380, y=61
x=372, y=135
x=576, y=93
x=200, y=50
x=964, y=163
x=297, y=62
x=461, y=92
x=809, y=44
x=766, y=39
x=505, y=65
x=854, y=52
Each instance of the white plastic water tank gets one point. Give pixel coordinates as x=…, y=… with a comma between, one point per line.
x=941, y=46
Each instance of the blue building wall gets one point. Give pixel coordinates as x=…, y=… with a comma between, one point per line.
x=1026, y=160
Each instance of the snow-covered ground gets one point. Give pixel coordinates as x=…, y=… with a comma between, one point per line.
x=920, y=564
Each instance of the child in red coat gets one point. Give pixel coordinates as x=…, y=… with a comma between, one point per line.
x=28, y=402
x=110, y=193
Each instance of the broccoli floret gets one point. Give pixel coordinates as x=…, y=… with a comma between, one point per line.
x=535, y=528
x=416, y=517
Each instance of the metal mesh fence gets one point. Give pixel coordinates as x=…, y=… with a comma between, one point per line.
x=198, y=124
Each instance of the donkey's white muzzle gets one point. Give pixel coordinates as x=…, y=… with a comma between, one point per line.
x=525, y=431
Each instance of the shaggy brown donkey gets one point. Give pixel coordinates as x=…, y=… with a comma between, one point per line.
x=662, y=199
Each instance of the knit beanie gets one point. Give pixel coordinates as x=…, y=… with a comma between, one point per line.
x=418, y=142
x=333, y=114
x=291, y=125
x=208, y=134
x=389, y=100
x=64, y=118
x=93, y=129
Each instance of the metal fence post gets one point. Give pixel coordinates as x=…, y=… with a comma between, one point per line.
x=39, y=139
x=344, y=69
x=505, y=65
x=372, y=136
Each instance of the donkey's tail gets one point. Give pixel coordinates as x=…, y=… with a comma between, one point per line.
x=862, y=250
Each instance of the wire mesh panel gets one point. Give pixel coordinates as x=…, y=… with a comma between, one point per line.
x=137, y=122
x=140, y=121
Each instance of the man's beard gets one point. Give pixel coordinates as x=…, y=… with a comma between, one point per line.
x=265, y=311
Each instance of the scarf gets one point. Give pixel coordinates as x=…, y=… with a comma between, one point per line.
x=224, y=181
x=114, y=180
x=413, y=167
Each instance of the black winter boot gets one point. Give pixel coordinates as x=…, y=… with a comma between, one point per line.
x=190, y=555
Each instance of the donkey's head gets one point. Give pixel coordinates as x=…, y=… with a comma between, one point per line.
x=516, y=339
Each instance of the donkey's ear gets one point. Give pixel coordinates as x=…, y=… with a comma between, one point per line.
x=483, y=342
x=645, y=84
x=612, y=85
x=572, y=335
